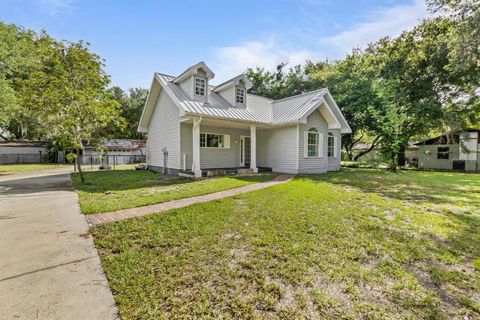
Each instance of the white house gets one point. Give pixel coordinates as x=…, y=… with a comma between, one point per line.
x=192, y=125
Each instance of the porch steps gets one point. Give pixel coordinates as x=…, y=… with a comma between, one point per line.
x=244, y=171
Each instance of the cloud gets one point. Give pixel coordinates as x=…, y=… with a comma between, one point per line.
x=230, y=61
x=383, y=22
x=54, y=7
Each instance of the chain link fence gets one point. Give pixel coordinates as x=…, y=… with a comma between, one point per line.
x=109, y=161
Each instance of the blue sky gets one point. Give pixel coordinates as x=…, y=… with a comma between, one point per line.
x=137, y=38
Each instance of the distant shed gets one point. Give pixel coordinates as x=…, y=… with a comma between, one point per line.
x=23, y=151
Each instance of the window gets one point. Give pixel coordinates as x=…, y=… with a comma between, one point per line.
x=240, y=95
x=312, y=142
x=200, y=86
x=331, y=145
x=214, y=140
x=443, y=153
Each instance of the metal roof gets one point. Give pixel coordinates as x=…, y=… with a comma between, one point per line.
x=24, y=143
x=259, y=109
x=216, y=106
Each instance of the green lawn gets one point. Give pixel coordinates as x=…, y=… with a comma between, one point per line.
x=106, y=191
x=359, y=244
x=19, y=168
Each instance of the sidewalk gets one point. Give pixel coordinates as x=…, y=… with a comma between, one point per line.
x=100, y=218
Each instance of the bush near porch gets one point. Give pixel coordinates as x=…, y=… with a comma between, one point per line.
x=358, y=244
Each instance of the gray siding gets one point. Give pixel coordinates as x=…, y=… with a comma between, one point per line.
x=212, y=157
x=427, y=158
x=277, y=149
x=187, y=86
x=334, y=162
x=164, y=131
x=186, y=145
x=23, y=150
x=314, y=164
x=229, y=95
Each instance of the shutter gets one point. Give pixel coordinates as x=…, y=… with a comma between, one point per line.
x=305, y=144
x=226, y=141
x=336, y=150
x=320, y=144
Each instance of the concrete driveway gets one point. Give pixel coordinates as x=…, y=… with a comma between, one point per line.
x=49, y=267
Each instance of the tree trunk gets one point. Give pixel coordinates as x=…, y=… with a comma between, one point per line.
x=348, y=150
x=393, y=162
x=79, y=166
x=372, y=146
x=401, y=156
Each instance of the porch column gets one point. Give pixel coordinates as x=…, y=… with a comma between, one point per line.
x=196, y=148
x=253, y=148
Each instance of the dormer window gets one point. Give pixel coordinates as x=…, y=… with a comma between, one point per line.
x=200, y=86
x=240, y=96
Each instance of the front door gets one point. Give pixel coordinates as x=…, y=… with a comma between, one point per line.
x=245, y=151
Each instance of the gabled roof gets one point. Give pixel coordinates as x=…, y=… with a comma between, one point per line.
x=258, y=110
x=233, y=82
x=193, y=70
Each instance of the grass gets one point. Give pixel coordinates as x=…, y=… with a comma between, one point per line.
x=359, y=244
x=20, y=168
x=106, y=191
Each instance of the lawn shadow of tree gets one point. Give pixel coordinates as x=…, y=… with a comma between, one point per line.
x=120, y=180
x=413, y=186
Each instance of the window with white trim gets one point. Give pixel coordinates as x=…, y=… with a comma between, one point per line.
x=331, y=145
x=443, y=153
x=312, y=142
x=200, y=86
x=214, y=140
x=240, y=95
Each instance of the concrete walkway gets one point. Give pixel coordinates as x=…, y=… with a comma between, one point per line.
x=100, y=218
x=49, y=267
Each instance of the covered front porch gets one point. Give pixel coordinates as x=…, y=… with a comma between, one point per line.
x=211, y=144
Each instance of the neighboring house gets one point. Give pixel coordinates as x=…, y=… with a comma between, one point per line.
x=122, y=151
x=457, y=151
x=23, y=151
x=374, y=156
x=192, y=126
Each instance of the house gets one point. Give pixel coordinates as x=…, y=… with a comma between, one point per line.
x=23, y=151
x=193, y=126
x=457, y=151
x=118, y=151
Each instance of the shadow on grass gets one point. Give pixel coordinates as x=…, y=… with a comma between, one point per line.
x=413, y=186
x=103, y=181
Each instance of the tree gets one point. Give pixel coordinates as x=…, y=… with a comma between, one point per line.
x=70, y=93
x=18, y=59
x=462, y=96
x=279, y=84
x=350, y=82
x=131, y=106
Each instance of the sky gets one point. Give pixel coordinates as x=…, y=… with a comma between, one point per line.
x=138, y=38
